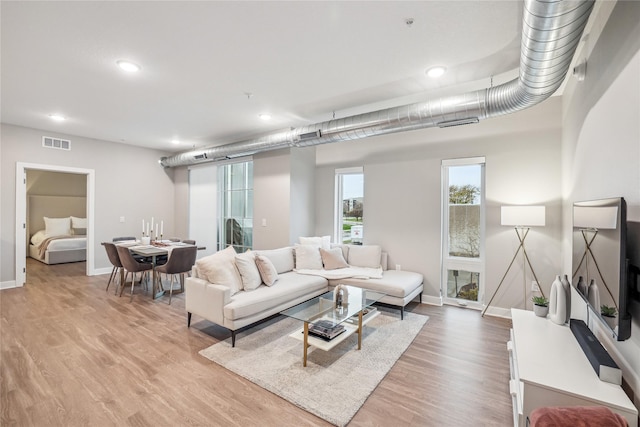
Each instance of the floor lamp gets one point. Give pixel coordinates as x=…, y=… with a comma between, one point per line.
x=522, y=218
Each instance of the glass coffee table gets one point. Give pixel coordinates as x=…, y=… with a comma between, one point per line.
x=349, y=318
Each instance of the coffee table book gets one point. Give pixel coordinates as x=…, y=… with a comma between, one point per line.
x=349, y=329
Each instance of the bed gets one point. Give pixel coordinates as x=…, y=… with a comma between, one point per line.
x=62, y=240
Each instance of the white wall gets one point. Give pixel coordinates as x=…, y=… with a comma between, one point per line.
x=402, y=209
x=601, y=147
x=129, y=183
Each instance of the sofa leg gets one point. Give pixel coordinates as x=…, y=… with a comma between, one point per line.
x=401, y=313
x=188, y=319
x=420, y=297
x=233, y=338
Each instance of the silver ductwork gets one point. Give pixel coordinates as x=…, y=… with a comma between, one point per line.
x=551, y=32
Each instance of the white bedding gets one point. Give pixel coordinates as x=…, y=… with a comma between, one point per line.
x=76, y=242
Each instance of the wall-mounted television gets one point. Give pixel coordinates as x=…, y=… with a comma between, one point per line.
x=599, y=261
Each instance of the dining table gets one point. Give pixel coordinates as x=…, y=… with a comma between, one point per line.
x=153, y=250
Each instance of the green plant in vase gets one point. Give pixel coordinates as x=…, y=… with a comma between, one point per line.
x=609, y=315
x=540, y=306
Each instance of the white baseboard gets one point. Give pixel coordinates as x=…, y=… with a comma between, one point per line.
x=429, y=299
x=10, y=284
x=101, y=271
x=499, y=312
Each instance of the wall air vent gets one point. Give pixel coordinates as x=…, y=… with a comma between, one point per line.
x=201, y=156
x=60, y=144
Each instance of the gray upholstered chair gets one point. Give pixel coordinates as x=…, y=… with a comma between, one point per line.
x=132, y=266
x=123, y=238
x=189, y=241
x=114, y=259
x=180, y=262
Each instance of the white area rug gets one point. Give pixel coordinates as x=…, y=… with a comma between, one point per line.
x=335, y=384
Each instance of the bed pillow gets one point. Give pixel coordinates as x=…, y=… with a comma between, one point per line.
x=57, y=226
x=220, y=268
x=332, y=259
x=78, y=222
x=268, y=272
x=365, y=256
x=38, y=238
x=308, y=257
x=248, y=269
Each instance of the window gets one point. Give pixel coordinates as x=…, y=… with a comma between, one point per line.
x=349, y=207
x=235, y=227
x=463, y=230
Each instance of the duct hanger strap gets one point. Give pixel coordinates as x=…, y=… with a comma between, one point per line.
x=551, y=32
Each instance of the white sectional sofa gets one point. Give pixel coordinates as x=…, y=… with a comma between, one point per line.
x=238, y=290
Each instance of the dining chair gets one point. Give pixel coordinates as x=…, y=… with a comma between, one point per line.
x=189, y=241
x=180, y=262
x=114, y=259
x=132, y=266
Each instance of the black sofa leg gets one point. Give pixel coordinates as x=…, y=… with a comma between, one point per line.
x=420, y=297
x=401, y=313
x=233, y=338
x=188, y=319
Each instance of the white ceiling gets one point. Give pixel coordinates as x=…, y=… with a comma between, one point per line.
x=303, y=62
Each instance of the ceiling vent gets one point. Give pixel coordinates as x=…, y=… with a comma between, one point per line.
x=60, y=144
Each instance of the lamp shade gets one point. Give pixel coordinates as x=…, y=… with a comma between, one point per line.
x=599, y=217
x=530, y=216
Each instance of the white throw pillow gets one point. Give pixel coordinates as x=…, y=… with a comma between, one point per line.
x=282, y=259
x=332, y=259
x=364, y=256
x=267, y=270
x=220, y=268
x=78, y=222
x=324, y=242
x=308, y=257
x=57, y=226
x=248, y=269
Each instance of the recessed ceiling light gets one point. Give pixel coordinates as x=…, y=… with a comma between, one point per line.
x=175, y=141
x=128, y=66
x=57, y=117
x=437, y=71
x=265, y=116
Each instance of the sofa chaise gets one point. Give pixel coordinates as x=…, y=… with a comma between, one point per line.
x=237, y=291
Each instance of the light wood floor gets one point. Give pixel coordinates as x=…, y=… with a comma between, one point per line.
x=73, y=355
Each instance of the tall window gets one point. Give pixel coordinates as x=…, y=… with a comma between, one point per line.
x=349, y=207
x=463, y=230
x=235, y=190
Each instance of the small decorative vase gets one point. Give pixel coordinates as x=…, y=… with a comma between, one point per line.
x=145, y=240
x=593, y=295
x=567, y=291
x=582, y=287
x=557, y=302
x=540, y=310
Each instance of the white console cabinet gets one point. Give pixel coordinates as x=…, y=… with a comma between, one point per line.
x=549, y=368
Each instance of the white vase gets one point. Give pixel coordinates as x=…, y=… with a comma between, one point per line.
x=557, y=302
x=593, y=296
x=145, y=240
x=567, y=291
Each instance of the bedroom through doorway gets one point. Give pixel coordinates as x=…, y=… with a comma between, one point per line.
x=54, y=217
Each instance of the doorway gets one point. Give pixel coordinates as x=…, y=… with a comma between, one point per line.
x=21, y=214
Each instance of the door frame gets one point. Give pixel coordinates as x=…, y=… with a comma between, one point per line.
x=21, y=214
